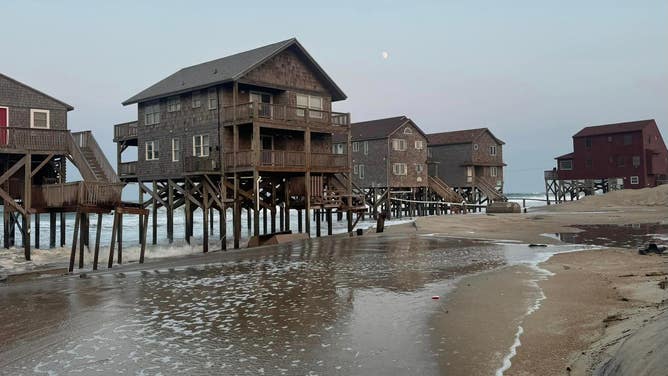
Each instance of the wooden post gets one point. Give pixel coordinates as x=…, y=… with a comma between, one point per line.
x=317, y=223
x=143, y=224
x=264, y=220
x=52, y=230
x=205, y=219
x=170, y=211
x=37, y=230
x=249, y=221
x=281, y=217
x=62, y=229
x=114, y=228
x=223, y=212
x=74, y=242
x=287, y=206
x=27, y=204
x=5, y=228
x=140, y=201
x=82, y=238
x=329, y=221
x=154, y=206
x=98, y=232
x=300, y=225
x=236, y=213
x=188, y=212
x=120, y=238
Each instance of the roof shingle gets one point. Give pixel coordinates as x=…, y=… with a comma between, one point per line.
x=458, y=137
x=629, y=126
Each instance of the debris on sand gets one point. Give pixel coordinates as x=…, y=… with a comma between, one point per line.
x=652, y=248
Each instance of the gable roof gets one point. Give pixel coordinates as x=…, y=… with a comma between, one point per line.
x=459, y=137
x=376, y=129
x=228, y=69
x=630, y=126
x=67, y=106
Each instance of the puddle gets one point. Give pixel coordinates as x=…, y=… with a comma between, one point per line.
x=622, y=236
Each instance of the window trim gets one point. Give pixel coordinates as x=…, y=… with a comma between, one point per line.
x=174, y=101
x=317, y=111
x=32, y=118
x=419, y=168
x=399, y=169
x=493, y=171
x=154, y=151
x=146, y=113
x=201, y=138
x=421, y=145
x=635, y=158
x=397, y=144
x=196, y=94
x=209, y=98
x=366, y=147
x=561, y=166
x=492, y=150
x=361, y=174
x=178, y=142
x=636, y=178
x=356, y=146
x=408, y=130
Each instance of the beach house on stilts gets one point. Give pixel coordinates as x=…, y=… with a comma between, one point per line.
x=35, y=146
x=251, y=131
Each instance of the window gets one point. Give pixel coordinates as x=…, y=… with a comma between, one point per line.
x=620, y=161
x=176, y=150
x=634, y=180
x=197, y=99
x=493, y=172
x=588, y=142
x=566, y=164
x=212, y=99
x=419, y=168
x=173, y=104
x=152, y=114
x=201, y=145
x=361, y=171
x=356, y=146
x=475, y=146
x=636, y=161
x=419, y=145
x=356, y=169
x=407, y=130
x=39, y=119
x=399, y=144
x=492, y=150
x=469, y=174
x=628, y=139
x=366, y=147
x=152, y=150
x=337, y=149
x=312, y=103
x=399, y=168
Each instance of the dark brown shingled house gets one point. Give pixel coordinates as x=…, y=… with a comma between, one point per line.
x=470, y=161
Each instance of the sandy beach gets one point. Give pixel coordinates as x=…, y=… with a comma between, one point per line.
x=591, y=301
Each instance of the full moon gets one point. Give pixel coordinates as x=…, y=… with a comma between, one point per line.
x=385, y=55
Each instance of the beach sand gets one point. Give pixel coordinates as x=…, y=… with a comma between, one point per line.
x=593, y=299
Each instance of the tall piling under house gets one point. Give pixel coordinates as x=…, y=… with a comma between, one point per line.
x=250, y=132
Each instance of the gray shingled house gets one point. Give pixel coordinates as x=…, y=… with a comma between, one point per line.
x=215, y=129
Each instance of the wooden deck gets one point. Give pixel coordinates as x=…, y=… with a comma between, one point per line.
x=20, y=140
x=76, y=196
x=289, y=117
x=285, y=160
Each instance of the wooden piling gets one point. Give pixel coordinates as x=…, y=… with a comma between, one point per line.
x=52, y=230
x=74, y=242
x=98, y=233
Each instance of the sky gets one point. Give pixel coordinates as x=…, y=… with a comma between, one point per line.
x=534, y=72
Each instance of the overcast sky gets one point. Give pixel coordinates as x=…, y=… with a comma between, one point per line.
x=534, y=72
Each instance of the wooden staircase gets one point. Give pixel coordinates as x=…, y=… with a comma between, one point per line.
x=445, y=191
x=89, y=158
x=490, y=191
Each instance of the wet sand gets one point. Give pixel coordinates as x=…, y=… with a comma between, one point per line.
x=594, y=300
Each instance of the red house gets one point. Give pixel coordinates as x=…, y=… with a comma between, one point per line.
x=633, y=152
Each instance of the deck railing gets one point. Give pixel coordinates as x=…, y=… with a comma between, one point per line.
x=127, y=168
x=208, y=163
x=125, y=130
x=329, y=160
x=82, y=193
x=284, y=113
x=51, y=140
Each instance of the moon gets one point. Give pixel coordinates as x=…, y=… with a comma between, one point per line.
x=385, y=55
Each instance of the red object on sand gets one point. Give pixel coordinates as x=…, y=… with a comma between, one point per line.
x=436, y=297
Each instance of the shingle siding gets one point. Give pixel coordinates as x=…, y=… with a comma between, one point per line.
x=20, y=99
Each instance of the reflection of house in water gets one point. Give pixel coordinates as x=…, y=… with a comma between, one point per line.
x=624, y=236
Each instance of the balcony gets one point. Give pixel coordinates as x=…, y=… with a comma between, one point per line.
x=206, y=164
x=277, y=160
x=18, y=139
x=282, y=114
x=125, y=131
x=127, y=169
x=77, y=194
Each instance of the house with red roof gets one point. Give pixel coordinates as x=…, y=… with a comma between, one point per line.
x=631, y=153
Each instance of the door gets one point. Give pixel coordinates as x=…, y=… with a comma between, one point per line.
x=263, y=101
x=267, y=149
x=4, y=121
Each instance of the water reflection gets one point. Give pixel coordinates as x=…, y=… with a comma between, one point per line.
x=331, y=306
x=624, y=236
